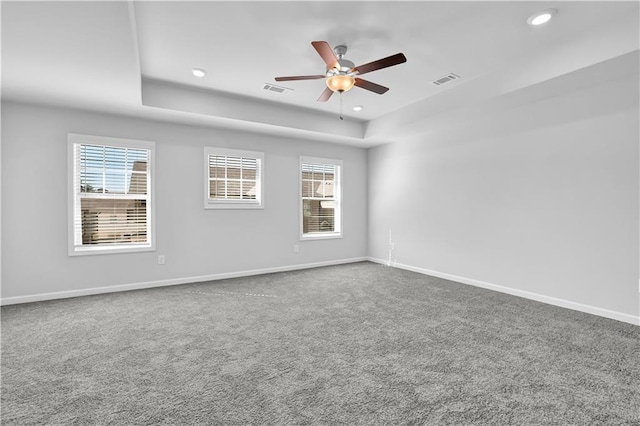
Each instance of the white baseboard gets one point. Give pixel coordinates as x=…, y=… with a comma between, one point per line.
x=174, y=281
x=594, y=310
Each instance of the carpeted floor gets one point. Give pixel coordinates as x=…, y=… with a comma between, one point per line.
x=357, y=344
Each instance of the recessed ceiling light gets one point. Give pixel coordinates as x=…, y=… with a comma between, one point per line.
x=540, y=18
x=358, y=108
x=198, y=72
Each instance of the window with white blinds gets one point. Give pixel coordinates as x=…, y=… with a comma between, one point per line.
x=233, y=178
x=111, y=187
x=320, y=190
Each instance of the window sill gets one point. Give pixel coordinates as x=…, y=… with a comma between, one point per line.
x=320, y=236
x=88, y=251
x=236, y=206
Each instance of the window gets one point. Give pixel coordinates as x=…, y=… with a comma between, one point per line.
x=233, y=179
x=320, y=198
x=111, y=189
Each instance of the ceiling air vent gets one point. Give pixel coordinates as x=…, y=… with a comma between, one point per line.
x=276, y=89
x=447, y=78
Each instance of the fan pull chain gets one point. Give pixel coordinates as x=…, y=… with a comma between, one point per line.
x=341, y=117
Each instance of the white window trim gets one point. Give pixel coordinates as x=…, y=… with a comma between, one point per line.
x=337, y=233
x=77, y=139
x=258, y=203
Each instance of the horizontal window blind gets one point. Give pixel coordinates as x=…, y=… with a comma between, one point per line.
x=318, y=217
x=318, y=180
x=113, y=221
x=111, y=196
x=233, y=178
x=320, y=197
x=112, y=170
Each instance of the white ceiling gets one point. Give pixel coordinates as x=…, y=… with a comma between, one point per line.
x=136, y=57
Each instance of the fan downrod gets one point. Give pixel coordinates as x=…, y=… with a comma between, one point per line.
x=340, y=50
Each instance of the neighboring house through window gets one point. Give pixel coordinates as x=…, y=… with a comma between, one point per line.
x=320, y=189
x=111, y=187
x=233, y=179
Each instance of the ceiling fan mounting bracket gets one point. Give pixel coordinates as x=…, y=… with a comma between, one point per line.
x=340, y=50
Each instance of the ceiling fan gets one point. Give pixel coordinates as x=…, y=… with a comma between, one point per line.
x=341, y=74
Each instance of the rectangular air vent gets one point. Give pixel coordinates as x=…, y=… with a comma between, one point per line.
x=447, y=78
x=276, y=89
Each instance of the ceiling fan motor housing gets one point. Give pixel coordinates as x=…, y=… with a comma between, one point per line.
x=344, y=65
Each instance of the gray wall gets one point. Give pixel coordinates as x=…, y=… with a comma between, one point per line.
x=195, y=241
x=534, y=193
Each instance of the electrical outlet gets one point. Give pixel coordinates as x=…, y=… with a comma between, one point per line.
x=161, y=259
x=296, y=248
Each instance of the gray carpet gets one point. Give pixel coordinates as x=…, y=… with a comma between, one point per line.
x=357, y=344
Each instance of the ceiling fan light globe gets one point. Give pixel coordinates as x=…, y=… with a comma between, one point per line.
x=340, y=83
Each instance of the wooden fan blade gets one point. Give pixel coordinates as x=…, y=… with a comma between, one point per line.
x=326, y=52
x=365, y=84
x=324, y=97
x=301, y=77
x=389, y=61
